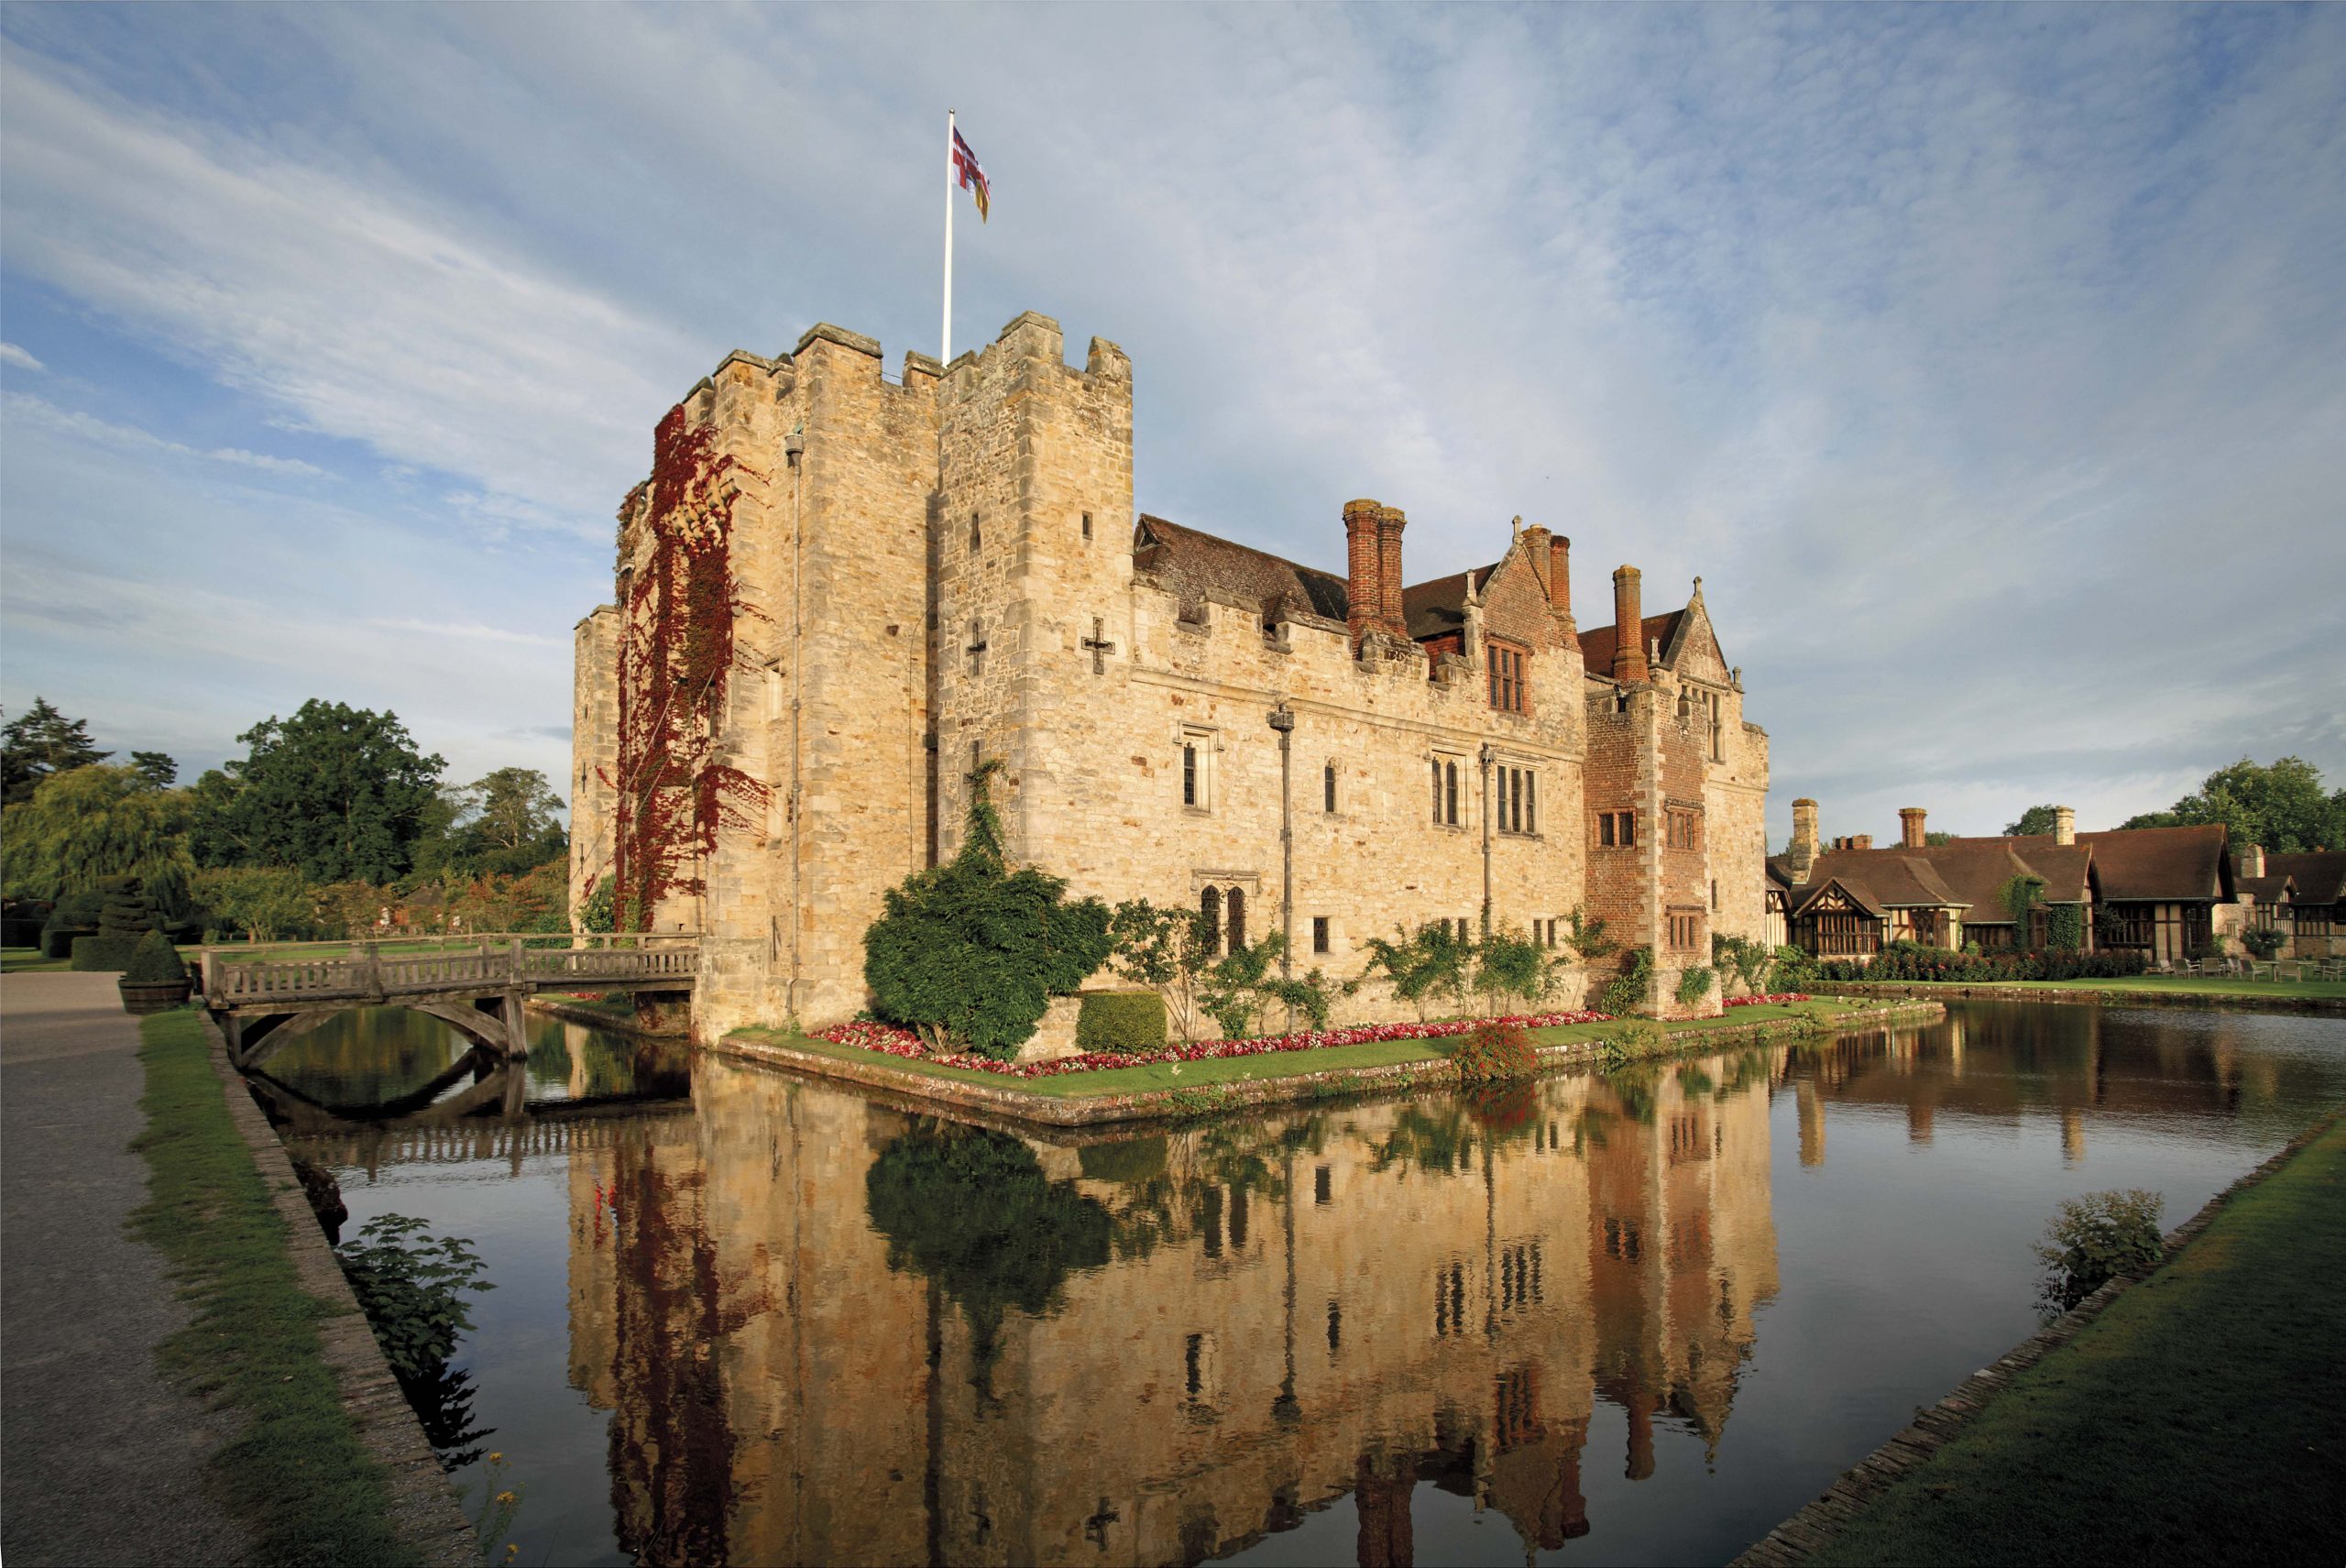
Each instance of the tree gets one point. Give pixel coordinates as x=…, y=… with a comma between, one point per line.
x=2282, y=808
x=1430, y=963
x=507, y=821
x=38, y=742
x=2036, y=820
x=1509, y=964
x=1169, y=950
x=339, y=792
x=970, y=953
x=160, y=769
x=86, y=825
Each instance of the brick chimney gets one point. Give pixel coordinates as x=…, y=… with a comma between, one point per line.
x=1535, y=549
x=1909, y=827
x=1629, y=629
x=1861, y=841
x=1365, y=598
x=1389, y=523
x=2065, y=825
x=1560, y=573
x=2252, y=860
x=1802, y=851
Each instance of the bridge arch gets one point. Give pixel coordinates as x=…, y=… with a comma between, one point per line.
x=493, y=1024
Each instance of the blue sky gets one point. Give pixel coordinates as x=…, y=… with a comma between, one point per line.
x=1985, y=362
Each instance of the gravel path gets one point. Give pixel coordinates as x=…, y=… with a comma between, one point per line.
x=101, y=1460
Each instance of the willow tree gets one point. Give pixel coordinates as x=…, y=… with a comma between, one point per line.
x=87, y=826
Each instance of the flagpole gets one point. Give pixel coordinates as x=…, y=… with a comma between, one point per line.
x=945, y=349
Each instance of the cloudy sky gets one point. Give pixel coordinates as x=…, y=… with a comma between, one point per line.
x=1986, y=363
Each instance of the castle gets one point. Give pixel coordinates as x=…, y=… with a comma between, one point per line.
x=837, y=593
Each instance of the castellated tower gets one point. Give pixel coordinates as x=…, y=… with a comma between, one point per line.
x=837, y=593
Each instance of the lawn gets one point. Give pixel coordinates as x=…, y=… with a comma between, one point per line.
x=2201, y=1418
x=27, y=961
x=1270, y=1065
x=299, y=1472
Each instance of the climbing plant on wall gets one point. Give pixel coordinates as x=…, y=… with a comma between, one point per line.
x=676, y=660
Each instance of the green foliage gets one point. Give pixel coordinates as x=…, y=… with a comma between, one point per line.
x=1911, y=960
x=972, y=1211
x=2036, y=822
x=2020, y=895
x=266, y=903
x=75, y=915
x=88, y=824
x=1587, y=938
x=104, y=955
x=1742, y=957
x=1638, y=1039
x=1631, y=988
x=340, y=793
x=1694, y=983
x=2282, y=808
x=154, y=961
x=160, y=770
x=1167, y=950
x=1422, y=966
x=2096, y=1238
x=1512, y=967
x=412, y=1285
x=1125, y=1023
x=38, y=742
x=1235, y=990
x=597, y=913
x=1495, y=1052
x=1307, y=1001
x=1791, y=969
x=505, y=823
x=2065, y=927
x=970, y=953
x=2263, y=942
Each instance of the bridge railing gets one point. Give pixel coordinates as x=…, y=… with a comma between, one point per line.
x=286, y=971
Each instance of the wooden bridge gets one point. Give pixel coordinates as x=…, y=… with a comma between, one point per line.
x=476, y=985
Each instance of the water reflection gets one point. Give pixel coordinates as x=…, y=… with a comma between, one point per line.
x=818, y=1328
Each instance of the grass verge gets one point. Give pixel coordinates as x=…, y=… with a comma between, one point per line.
x=2201, y=1417
x=298, y=1472
x=29, y=960
x=1270, y=1065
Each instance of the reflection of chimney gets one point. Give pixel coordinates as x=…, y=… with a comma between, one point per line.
x=1628, y=628
x=2065, y=825
x=2073, y=1135
x=2252, y=860
x=1812, y=1123
x=1640, y=1435
x=1381, y=1505
x=1910, y=827
x=1361, y=558
x=1802, y=851
x=1389, y=522
x=1919, y=1113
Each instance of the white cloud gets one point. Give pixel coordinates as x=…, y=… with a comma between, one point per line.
x=12, y=355
x=22, y=407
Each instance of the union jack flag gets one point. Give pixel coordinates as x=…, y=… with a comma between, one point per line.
x=972, y=177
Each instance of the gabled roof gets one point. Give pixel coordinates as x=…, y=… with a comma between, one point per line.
x=2270, y=889
x=2320, y=874
x=1878, y=879
x=1196, y=565
x=1439, y=606
x=1596, y=647
x=1977, y=869
x=2170, y=863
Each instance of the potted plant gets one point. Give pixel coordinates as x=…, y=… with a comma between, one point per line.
x=155, y=980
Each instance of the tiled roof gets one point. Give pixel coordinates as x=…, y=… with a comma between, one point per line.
x=1966, y=873
x=2320, y=874
x=2270, y=889
x=1439, y=606
x=1879, y=878
x=1196, y=565
x=1596, y=647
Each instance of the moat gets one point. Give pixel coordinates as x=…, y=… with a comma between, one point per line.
x=1628, y=1318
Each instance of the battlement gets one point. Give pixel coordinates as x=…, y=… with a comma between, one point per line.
x=1032, y=337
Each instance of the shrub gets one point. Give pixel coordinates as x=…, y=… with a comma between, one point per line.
x=1742, y=957
x=57, y=935
x=970, y=953
x=2097, y=1238
x=1694, y=984
x=1632, y=988
x=1495, y=1052
x=1633, y=1041
x=1121, y=1022
x=1170, y=949
x=2263, y=943
x=1911, y=960
x=104, y=953
x=1790, y=969
x=2065, y=927
x=412, y=1285
x=154, y=961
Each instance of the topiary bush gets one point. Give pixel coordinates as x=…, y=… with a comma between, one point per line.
x=104, y=953
x=154, y=961
x=1493, y=1052
x=1121, y=1022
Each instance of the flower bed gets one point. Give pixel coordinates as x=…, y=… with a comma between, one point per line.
x=1780, y=996
x=895, y=1042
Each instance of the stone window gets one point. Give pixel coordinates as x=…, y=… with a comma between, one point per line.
x=1681, y=829
x=1616, y=829
x=1235, y=901
x=1320, y=934
x=1715, y=892
x=1685, y=929
x=1197, y=770
x=1328, y=789
x=1507, y=676
x=976, y=648
x=1210, y=906
x=1445, y=791
x=1087, y=527
x=977, y=538
x=1519, y=801
x=1323, y=1183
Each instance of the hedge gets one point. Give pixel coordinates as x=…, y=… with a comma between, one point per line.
x=155, y=961
x=105, y=953
x=1911, y=960
x=1123, y=1023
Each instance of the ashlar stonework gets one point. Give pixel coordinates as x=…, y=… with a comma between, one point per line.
x=921, y=574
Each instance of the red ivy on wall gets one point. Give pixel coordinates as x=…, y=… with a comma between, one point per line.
x=676, y=659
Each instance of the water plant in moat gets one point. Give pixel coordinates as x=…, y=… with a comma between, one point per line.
x=2098, y=1237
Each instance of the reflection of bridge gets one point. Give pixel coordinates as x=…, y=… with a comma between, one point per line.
x=552, y=1127
x=476, y=987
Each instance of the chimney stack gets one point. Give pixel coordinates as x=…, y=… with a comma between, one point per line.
x=2065, y=825
x=1560, y=573
x=1909, y=827
x=1365, y=598
x=1861, y=841
x=1802, y=852
x=1389, y=522
x=1629, y=629
x=2252, y=860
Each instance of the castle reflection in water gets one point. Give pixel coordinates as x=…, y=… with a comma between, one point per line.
x=1154, y=1349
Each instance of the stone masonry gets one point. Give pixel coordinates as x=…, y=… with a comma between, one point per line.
x=944, y=568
